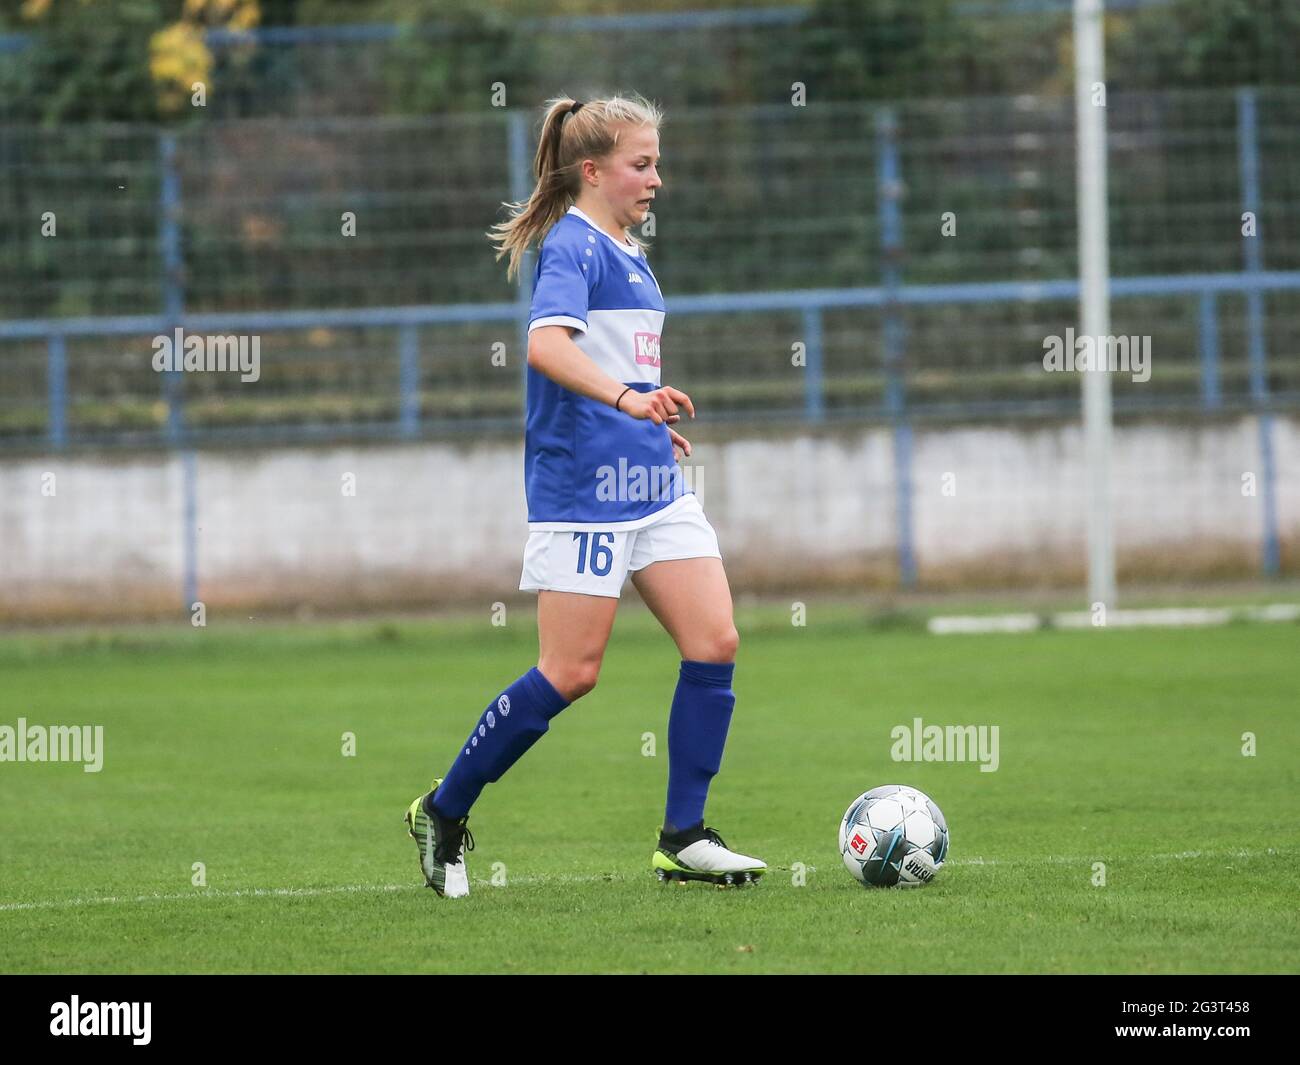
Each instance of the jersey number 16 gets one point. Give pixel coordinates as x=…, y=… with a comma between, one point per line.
x=599, y=555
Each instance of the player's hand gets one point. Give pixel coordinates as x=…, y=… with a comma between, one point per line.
x=681, y=446
x=658, y=405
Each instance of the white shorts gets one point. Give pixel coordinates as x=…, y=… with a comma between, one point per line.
x=597, y=562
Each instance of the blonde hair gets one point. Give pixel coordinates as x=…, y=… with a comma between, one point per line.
x=566, y=140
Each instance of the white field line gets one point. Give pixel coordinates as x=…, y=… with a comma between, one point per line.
x=355, y=889
x=1171, y=617
x=943, y=626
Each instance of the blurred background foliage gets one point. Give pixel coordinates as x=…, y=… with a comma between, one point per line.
x=137, y=60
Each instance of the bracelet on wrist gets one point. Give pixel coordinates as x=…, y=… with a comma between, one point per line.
x=620, y=397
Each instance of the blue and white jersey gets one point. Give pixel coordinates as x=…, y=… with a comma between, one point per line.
x=587, y=465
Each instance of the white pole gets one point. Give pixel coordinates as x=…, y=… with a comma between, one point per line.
x=1094, y=289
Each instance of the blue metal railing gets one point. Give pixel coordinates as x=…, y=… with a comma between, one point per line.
x=810, y=303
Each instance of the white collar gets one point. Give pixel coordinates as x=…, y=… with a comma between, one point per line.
x=630, y=249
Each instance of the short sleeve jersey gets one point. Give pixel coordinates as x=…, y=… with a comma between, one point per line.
x=587, y=465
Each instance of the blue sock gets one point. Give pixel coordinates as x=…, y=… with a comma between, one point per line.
x=697, y=732
x=512, y=723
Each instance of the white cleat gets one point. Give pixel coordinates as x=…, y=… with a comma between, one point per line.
x=436, y=837
x=701, y=854
x=456, y=881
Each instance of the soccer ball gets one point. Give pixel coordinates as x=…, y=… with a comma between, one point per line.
x=893, y=835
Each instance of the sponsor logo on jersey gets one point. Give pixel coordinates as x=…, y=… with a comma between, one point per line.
x=647, y=349
x=633, y=278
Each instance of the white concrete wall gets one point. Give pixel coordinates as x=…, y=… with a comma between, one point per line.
x=1177, y=491
x=434, y=522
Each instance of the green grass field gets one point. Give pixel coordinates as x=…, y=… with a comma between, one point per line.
x=223, y=746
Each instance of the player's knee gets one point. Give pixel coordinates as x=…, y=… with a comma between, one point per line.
x=721, y=646
x=581, y=678
x=573, y=680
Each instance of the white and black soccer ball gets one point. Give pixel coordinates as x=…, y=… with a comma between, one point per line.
x=893, y=835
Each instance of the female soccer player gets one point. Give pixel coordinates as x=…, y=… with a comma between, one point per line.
x=605, y=496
